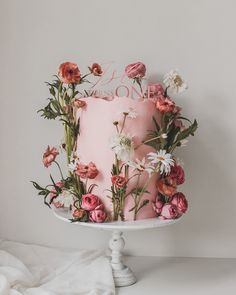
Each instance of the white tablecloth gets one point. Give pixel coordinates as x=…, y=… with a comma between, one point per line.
x=36, y=270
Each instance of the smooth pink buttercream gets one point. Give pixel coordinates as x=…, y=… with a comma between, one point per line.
x=96, y=129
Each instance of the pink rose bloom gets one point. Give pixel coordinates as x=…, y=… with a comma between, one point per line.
x=157, y=206
x=86, y=171
x=165, y=105
x=97, y=215
x=169, y=211
x=135, y=70
x=90, y=202
x=177, y=174
x=180, y=202
x=69, y=73
x=49, y=156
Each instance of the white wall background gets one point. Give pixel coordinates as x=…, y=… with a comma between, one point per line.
x=197, y=37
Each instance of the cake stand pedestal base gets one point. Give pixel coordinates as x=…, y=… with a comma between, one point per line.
x=123, y=276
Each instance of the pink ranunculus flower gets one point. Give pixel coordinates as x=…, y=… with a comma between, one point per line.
x=157, y=206
x=86, y=171
x=69, y=73
x=97, y=215
x=52, y=194
x=177, y=174
x=78, y=103
x=169, y=211
x=179, y=123
x=96, y=69
x=165, y=105
x=49, y=156
x=90, y=202
x=135, y=70
x=118, y=180
x=180, y=201
x=154, y=90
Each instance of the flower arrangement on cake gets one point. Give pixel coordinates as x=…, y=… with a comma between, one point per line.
x=119, y=148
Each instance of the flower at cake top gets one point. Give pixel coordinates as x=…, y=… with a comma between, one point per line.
x=49, y=156
x=69, y=73
x=165, y=105
x=163, y=160
x=96, y=69
x=122, y=145
x=135, y=70
x=175, y=82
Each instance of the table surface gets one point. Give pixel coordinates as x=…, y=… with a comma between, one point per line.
x=181, y=276
x=118, y=225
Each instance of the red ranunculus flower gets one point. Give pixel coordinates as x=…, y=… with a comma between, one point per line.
x=96, y=69
x=86, y=171
x=49, y=156
x=177, y=174
x=118, y=180
x=69, y=73
x=165, y=105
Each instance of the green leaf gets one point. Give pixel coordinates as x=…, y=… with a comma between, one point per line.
x=188, y=131
x=144, y=203
x=37, y=186
x=156, y=124
x=185, y=133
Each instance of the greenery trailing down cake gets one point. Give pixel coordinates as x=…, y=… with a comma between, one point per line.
x=119, y=144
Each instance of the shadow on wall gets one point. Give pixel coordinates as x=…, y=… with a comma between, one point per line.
x=210, y=186
x=210, y=189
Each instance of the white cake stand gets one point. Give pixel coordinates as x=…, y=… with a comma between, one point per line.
x=122, y=274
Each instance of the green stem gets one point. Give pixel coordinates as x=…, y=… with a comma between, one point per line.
x=123, y=124
x=139, y=197
x=59, y=169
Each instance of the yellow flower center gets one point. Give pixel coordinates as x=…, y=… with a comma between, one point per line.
x=178, y=81
x=160, y=158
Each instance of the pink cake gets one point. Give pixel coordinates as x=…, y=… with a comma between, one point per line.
x=96, y=130
x=120, y=134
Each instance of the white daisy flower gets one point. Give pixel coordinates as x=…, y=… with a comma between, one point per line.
x=142, y=165
x=66, y=198
x=122, y=145
x=175, y=82
x=129, y=112
x=163, y=160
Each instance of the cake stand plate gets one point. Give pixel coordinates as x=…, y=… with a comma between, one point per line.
x=122, y=274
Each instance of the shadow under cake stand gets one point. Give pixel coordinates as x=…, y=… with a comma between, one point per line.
x=123, y=276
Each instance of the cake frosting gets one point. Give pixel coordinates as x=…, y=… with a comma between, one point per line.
x=96, y=131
